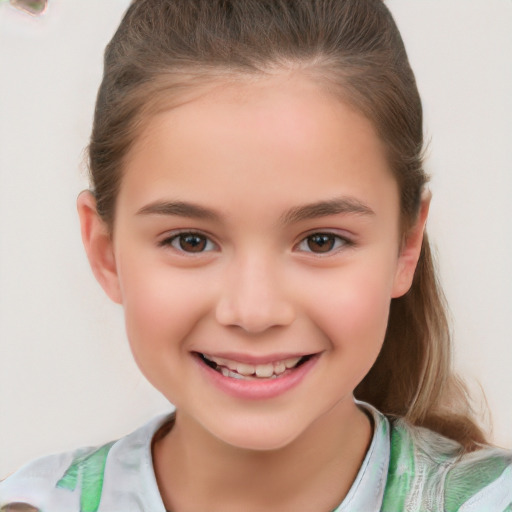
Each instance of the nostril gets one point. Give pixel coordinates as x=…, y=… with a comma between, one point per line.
x=254, y=299
x=254, y=317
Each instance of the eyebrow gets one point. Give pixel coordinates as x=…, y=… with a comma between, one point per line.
x=180, y=209
x=343, y=205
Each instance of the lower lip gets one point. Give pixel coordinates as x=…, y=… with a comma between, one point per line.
x=258, y=389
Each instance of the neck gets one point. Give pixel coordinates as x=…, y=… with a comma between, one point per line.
x=196, y=471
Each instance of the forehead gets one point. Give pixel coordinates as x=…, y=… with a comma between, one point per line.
x=247, y=138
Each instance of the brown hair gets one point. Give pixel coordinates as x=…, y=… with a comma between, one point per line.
x=165, y=47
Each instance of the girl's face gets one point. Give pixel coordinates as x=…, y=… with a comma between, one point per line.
x=256, y=250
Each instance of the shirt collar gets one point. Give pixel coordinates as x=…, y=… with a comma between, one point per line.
x=367, y=491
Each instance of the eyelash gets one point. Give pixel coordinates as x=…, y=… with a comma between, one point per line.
x=179, y=237
x=338, y=241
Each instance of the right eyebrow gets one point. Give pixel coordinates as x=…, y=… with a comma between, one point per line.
x=178, y=208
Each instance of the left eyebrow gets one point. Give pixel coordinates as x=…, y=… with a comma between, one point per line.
x=343, y=205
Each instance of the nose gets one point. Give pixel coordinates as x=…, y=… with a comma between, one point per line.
x=253, y=296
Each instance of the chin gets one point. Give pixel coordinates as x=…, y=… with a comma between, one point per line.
x=257, y=435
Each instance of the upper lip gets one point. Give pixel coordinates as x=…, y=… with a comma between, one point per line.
x=257, y=359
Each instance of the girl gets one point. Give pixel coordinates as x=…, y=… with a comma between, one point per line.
x=258, y=207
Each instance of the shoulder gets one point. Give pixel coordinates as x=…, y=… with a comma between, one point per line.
x=81, y=479
x=429, y=471
x=50, y=483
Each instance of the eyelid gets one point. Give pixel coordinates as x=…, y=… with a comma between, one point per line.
x=346, y=242
x=170, y=236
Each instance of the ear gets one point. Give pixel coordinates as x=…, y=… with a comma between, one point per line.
x=411, y=249
x=97, y=241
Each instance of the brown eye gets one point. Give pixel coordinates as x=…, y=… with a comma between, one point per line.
x=321, y=242
x=189, y=243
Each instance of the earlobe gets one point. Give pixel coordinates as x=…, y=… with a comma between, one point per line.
x=411, y=250
x=98, y=245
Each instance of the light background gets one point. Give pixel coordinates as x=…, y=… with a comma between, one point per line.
x=66, y=374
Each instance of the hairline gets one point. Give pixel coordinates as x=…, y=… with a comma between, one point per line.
x=169, y=90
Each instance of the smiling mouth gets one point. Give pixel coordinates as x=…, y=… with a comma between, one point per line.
x=244, y=371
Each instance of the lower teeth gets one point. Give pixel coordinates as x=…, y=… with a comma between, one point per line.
x=226, y=372
x=234, y=375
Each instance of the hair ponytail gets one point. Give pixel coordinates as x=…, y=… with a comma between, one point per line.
x=412, y=377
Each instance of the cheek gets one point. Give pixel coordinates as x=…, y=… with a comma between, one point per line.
x=365, y=310
x=354, y=313
x=161, y=306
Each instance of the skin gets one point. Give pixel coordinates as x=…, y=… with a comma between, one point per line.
x=252, y=154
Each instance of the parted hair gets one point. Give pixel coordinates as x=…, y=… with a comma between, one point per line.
x=165, y=48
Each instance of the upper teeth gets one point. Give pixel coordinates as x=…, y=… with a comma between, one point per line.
x=260, y=370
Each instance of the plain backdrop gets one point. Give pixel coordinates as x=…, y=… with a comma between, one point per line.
x=66, y=375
